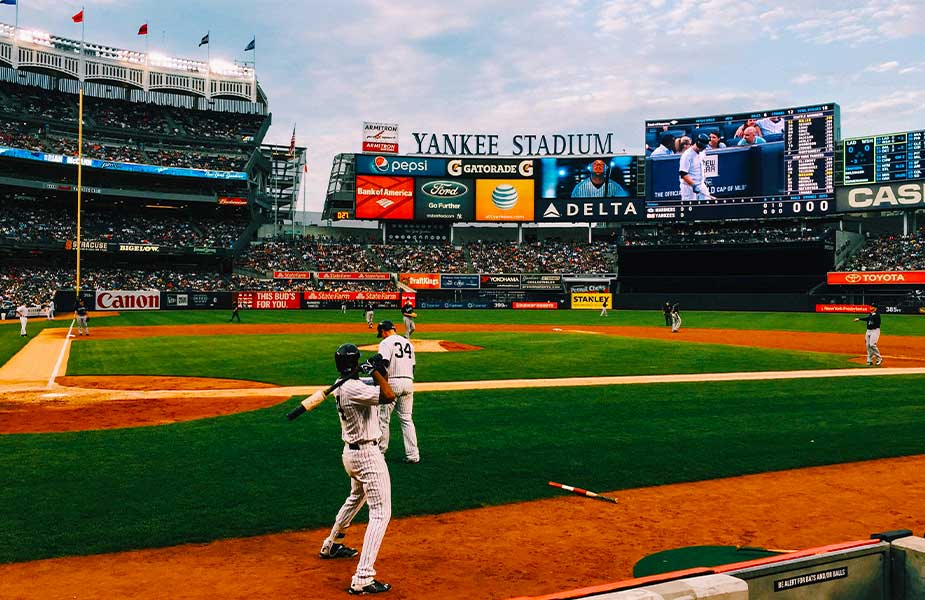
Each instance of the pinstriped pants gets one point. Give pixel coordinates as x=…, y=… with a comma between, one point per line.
x=404, y=406
x=369, y=482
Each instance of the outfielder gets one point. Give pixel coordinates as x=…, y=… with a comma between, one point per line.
x=872, y=336
x=23, y=319
x=398, y=357
x=358, y=406
x=51, y=309
x=407, y=312
x=604, y=309
x=81, y=314
x=690, y=171
x=370, y=313
x=675, y=318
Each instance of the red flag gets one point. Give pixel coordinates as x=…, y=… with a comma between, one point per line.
x=79, y=17
x=143, y=30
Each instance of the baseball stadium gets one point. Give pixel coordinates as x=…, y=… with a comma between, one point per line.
x=649, y=375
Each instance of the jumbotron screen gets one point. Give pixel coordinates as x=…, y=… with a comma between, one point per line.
x=769, y=163
x=894, y=157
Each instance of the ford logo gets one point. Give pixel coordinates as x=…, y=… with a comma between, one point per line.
x=444, y=189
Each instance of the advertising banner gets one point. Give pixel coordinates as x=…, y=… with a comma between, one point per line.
x=541, y=282
x=886, y=196
x=371, y=164
x=591, y=301
x=535, y=305
x=421, y=281
x=487, y=168
x=382, y=296
x=379, y=197
x=842, y=308
x=195, y=300
x=500, y=281
x=590, y=210
x=127, y=300
x=875, y=277
x=292, y=274
x=475, y=304
x=232, y=201
x=411, y=297
x=444, y=199
x=457, y=281
x=380, y=137
x=362, y=275
x=269, y=300
x=504, y=200
x=85, y=245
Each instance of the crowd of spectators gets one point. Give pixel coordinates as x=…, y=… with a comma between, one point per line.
x=726, y=233
x=548, y=256
x=414, y=258
x=890, y=252
x=27, y=221
x=308, y=255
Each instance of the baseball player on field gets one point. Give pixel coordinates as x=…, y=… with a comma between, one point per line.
x=872, y=336
x=358, y=404
x=81, y=314
x=398, y=356
x=690, y=171
x=51, y=309
x=604, y=309
x=370, y=313
x=23, y=319
x=407, y=312
x=675, y=318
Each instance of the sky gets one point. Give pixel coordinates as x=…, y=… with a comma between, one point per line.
x=540, y=67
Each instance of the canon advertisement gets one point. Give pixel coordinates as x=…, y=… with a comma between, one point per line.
x=127, y=300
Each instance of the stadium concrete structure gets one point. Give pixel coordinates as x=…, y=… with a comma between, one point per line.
x=174, y=146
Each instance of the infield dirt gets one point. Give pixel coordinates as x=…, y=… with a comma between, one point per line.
x=497, y=552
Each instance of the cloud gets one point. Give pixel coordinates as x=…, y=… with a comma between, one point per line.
x=883, y=67
x=804, y=78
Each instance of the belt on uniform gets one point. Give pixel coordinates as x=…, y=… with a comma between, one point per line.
x=356, y=445
x=401, y=377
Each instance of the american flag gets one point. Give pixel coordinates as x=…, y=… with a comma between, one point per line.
x=292, y=143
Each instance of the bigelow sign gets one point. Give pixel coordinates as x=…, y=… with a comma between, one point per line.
x=886, y=196
x=128, y=300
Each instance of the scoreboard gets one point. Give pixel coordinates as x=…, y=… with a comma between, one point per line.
x=809, y=151
x=895, y=157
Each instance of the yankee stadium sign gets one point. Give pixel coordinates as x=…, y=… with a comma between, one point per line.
x=471, y=144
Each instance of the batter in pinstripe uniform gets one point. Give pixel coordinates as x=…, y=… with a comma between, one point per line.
x=398, y=356
x=358, y=405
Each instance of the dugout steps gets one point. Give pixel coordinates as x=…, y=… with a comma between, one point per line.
x=889, y=566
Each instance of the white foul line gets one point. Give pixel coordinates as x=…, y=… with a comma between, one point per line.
x=67, y=340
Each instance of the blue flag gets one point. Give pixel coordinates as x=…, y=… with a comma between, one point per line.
x=250, y=46
x=204, y=40
x=11, y=2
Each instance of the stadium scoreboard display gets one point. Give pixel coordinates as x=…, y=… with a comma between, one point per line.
x=891, y=158
x=775, y=163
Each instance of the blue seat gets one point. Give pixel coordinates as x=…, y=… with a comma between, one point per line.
x=773, y=137
x=768, y=169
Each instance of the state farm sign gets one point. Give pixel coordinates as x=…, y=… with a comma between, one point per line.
x=128, y=300
x=875, y=277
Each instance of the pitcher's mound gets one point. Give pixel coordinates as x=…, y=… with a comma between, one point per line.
x=431, y=346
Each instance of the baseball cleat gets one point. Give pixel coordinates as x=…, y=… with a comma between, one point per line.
x=338, y=551
x=376, y=587
x=879, y=361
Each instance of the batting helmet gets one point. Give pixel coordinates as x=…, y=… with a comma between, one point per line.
x=347, y=360
x=383, y=327
x=702, y=141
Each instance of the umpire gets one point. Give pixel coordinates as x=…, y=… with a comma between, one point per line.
x=667, y=310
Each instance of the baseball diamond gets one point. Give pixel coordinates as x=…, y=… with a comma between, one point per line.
x=245, y=354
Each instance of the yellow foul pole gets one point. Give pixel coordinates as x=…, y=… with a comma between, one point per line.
x=80, y=161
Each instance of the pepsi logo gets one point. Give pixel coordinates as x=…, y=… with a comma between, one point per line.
x=381, y=163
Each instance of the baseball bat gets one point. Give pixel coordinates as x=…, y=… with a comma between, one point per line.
x=314, y=400
x=581, y=492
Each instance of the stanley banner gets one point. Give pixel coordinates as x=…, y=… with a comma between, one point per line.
x=592, y=301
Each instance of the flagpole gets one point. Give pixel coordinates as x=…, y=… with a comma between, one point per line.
x=80, y=161
x=83, y=54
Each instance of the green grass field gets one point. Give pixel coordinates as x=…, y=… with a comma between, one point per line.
x=254, y=472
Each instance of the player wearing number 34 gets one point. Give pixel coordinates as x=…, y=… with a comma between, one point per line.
x=398, y=356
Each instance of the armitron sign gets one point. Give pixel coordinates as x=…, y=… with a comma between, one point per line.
x=125, y=300
x=875, y=278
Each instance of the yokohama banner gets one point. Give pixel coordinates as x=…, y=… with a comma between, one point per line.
x=367, y=276
x=875, y=278
x=393, y=296
x=127, y=300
